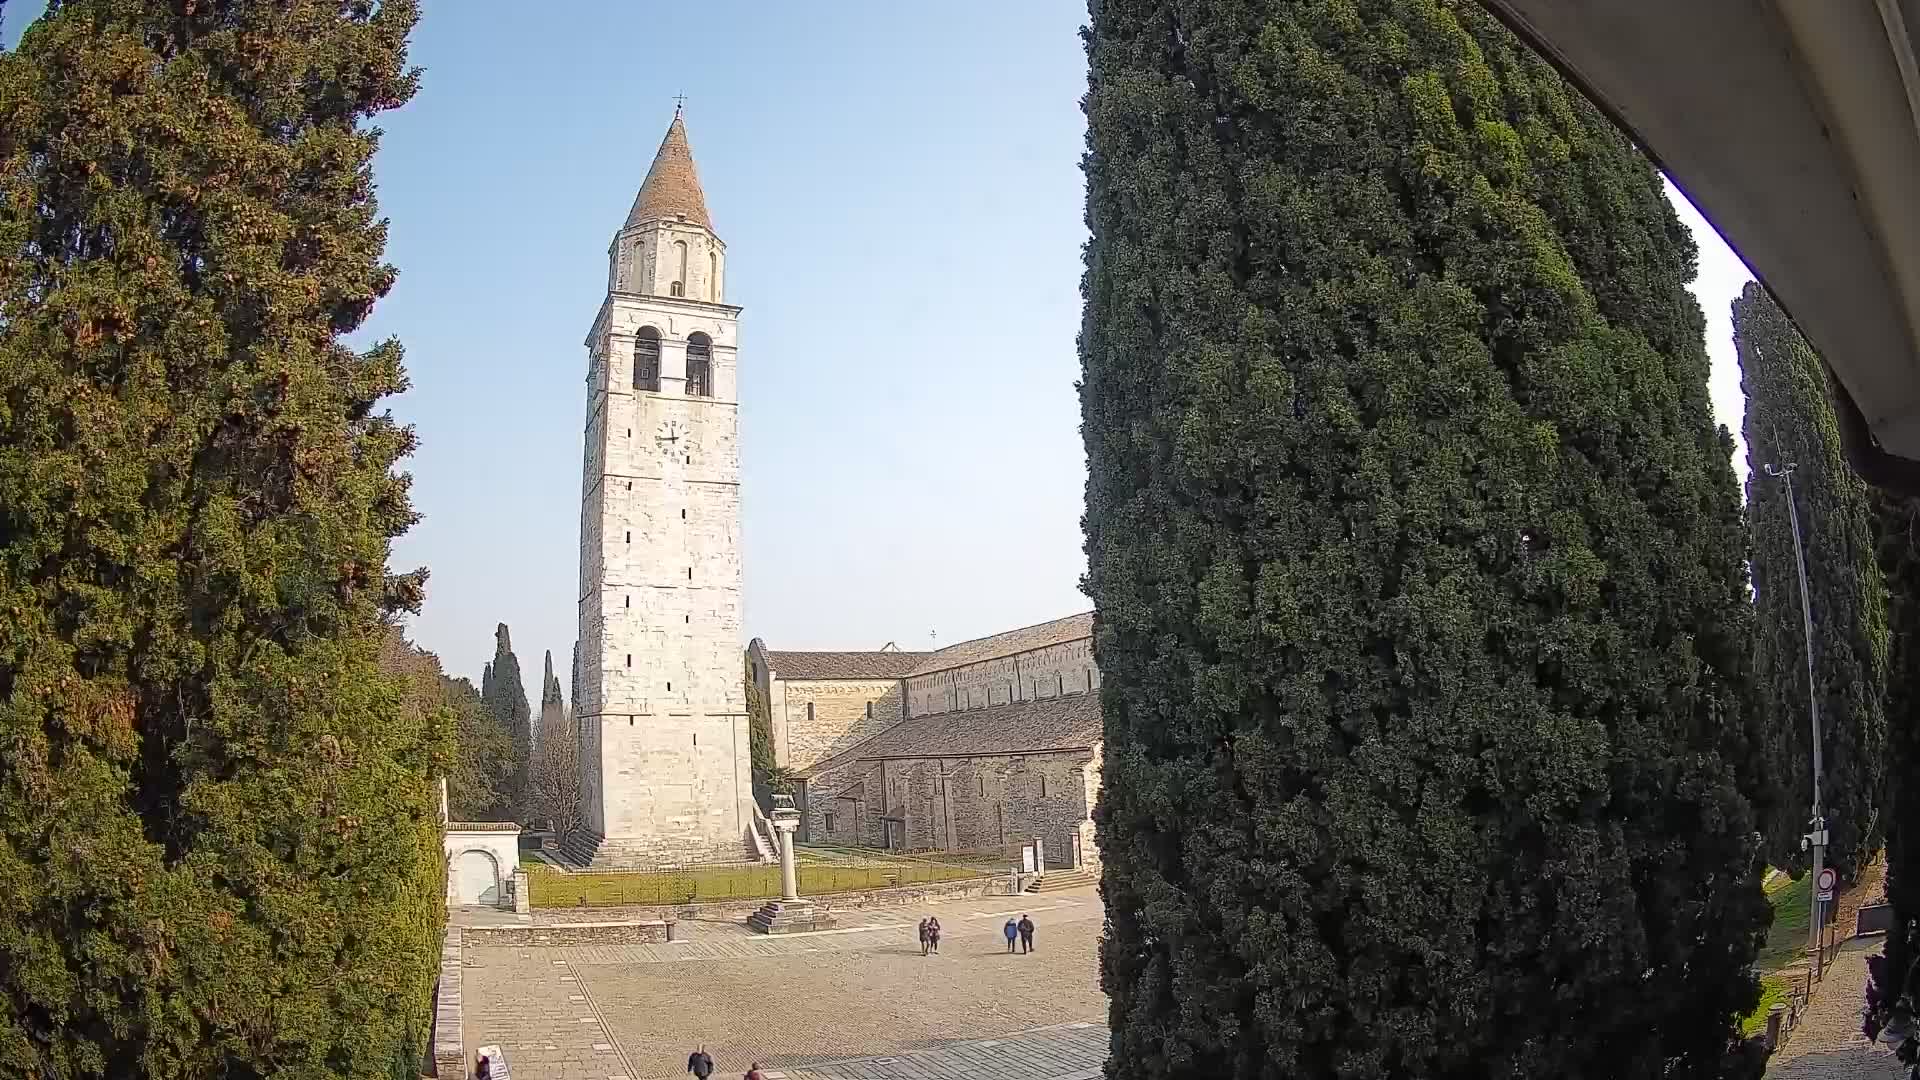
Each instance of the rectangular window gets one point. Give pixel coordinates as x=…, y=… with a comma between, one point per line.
x=629, y=601
x=809, y=712
x=629, y=659
x=829, y=821
x=869, y=710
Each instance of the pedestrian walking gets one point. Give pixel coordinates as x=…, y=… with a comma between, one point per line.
x=933, y=933
x=483, y=1070
x=754, y=1073
x=1012, y=930
x=925, y=942
x=1026, y=934
x=699, y=1064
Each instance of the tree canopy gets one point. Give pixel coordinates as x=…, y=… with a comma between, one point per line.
x=1417, y=559
x=219, y=843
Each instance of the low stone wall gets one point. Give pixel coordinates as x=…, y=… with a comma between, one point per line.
x=449, y=1038
x=601, y=932
x=738, y=910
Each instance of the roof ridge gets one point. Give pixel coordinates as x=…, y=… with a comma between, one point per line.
x=1015, y=630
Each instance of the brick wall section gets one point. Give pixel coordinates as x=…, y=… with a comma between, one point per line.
x=845, y=712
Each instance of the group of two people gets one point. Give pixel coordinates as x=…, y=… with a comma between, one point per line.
x=1023, y=930
x=929, y=935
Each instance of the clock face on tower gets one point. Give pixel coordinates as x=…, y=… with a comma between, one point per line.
x=669, y=435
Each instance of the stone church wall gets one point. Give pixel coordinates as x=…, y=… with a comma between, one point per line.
x=990, y=803
x=1037, y=674
x=818, y=719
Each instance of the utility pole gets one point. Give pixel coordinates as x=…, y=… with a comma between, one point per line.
x=1816, y=840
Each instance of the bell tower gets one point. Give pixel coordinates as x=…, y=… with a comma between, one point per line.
x=662, y=712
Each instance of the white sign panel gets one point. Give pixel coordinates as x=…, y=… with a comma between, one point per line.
x=1026, y=859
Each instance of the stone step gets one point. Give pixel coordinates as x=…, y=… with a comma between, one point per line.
x=1058, y=880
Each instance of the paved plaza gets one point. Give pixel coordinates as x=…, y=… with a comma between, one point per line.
x=855, y=1003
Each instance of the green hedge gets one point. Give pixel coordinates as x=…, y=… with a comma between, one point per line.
x=551, y=888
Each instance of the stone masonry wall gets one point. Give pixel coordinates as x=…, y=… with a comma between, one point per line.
x=1029, y=676
x=660, y=612
x=988, y=803
x=820, y=719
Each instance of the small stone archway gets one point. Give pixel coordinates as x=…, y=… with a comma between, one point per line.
x=473, y=878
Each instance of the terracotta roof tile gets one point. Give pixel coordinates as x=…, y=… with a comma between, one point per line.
x=672, y=186
x=843, y=665
x=1025, y=639
x=1059, y=723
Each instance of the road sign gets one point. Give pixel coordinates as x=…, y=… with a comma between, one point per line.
x=1825, y=883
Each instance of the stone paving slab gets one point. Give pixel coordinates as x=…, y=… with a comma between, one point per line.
x=806, y=1003
x=1064, y=1052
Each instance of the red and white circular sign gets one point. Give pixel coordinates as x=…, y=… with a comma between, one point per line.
x=1827, y=880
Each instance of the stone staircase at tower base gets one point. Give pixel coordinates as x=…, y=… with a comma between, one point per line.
x=1060, y=880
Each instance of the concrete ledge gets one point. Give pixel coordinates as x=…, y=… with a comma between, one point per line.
x=449, y=1038
x=624, y=932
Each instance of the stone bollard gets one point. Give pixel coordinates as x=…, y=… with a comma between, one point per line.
x=522, y=901
x=671, y=923
x=1776, y=1019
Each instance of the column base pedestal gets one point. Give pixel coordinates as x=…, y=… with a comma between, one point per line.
x=789, y=917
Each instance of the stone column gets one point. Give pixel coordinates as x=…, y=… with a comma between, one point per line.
x=784, y=824
x=789, y=914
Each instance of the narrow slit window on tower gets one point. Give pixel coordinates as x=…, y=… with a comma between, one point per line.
x=686, y=619
x=646, y=361
x=689, y=573
x=629, y=659
x=869, y=710
x=983, y=785
x=713, y=277
x=1043, y=785
x=629, y=601
x=699, y=365
x=629, y=536
x=669, y=688
x=680, y=264
x=683, y=514
x=809, y=712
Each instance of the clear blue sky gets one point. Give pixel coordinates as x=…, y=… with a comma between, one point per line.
x=898, y=185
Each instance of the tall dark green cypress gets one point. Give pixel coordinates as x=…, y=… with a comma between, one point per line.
x=1789, y=419
x=1895, y=983
x=219, y=839
x=1417, y=557
x=506, y=695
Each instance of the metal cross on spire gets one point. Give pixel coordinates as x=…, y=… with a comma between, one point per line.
x=679, y=102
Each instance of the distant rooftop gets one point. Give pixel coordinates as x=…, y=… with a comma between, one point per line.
x=1071, y=722
x=884, y=664
x=1025, y=639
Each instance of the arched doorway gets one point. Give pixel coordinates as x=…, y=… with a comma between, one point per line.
x=476, y=878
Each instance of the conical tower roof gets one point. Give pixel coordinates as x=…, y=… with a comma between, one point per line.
x=672, y=186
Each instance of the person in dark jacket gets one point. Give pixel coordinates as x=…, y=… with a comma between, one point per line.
x=925, y=941
x=933, y=933
x=1026, y=934
x=483, y=1069
x=754, y=1073
x=699, y=1064
x=1012, y=930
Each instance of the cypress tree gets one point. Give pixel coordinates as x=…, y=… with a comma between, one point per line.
x=219, y=841
x=508, y=701
x=1790, y=419
x=1417, y=558
x=1891, y=990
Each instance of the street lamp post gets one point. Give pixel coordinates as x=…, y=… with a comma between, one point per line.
x=1816, y=840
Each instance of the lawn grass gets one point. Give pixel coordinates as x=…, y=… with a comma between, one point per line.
x=1787, y=939
x=547, y=887
x=1773, y=989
